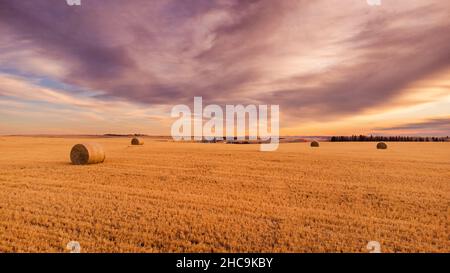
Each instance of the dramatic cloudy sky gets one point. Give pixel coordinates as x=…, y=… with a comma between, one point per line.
x=333, y=66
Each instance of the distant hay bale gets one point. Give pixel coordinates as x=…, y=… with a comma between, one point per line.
x=315, y=144
x=87, y=153
x=238, y=142
x=137, y=141
x=382, y=146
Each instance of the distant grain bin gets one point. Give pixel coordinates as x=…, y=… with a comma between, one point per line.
x=87, y=153
x=315, y=144
x=137, y=141
x=382, y=146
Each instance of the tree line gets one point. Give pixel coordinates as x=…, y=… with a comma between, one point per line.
x=388, y=138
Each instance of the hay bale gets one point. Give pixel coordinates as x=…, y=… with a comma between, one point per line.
x=137, y=141
x=382, y=146
x=87, y=153
x=315, y=144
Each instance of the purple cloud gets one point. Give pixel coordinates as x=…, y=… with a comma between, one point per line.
x=441, y=125
x=318, y=60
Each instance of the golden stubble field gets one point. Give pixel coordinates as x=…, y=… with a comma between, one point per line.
x=189, y=197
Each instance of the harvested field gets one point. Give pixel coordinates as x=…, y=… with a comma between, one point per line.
x=189, y=197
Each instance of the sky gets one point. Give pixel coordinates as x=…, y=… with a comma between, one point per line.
x=335, y=67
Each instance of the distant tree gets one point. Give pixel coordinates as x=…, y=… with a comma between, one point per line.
x=362, y=138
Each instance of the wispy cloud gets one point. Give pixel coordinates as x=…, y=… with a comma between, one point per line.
x=441, y=124
x=320, y=60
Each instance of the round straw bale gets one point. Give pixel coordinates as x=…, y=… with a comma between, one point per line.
x=315, y=144
x=382, y=145
x=87, y=153
x=137, y=141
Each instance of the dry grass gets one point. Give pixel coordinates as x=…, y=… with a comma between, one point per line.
x=191, y=197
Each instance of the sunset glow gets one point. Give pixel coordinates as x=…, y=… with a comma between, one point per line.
x=119, y=66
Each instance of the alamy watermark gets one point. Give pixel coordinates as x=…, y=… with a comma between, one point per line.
x=73, y=247
x=241, y=122
x=374, y=2
x=73, y=2
x=374, y=247
x=78, y=2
